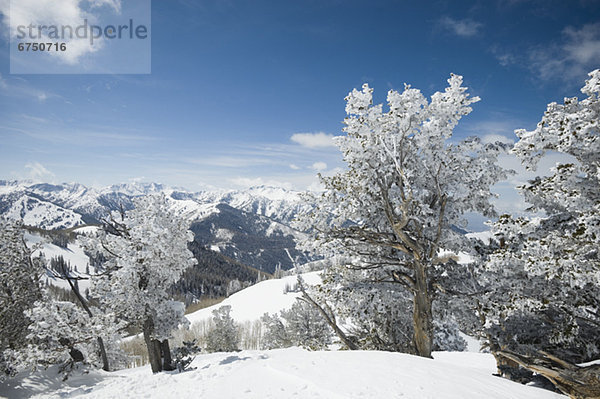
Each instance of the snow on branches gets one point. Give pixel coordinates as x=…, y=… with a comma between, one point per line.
x=407, y=184
x=146, y=252
x=551, y=264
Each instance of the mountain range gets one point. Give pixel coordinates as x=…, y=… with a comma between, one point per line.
x=251, y=226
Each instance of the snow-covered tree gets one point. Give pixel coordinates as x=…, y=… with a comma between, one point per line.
x=551, y=264
x=301, y=325
x=306, y=327
x=406, y=185
x=146, y=253
x=233, y=286
x=223, y=336
x=19, y=290
x=275, y=334
x=63, y=332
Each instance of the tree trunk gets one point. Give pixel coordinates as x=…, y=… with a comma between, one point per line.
x=166, y=355
x=422, y=314
x=153, y=346
x=103, y=354
x=75, y=289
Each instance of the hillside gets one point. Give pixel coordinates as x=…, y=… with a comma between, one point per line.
x=269, y=296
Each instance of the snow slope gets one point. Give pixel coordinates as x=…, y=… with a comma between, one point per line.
x=73, y=254
x=265, y=297
x=296, y=373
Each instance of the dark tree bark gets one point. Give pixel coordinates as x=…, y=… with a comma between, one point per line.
x=166, y=355
x=422, y=313
x=153, y=346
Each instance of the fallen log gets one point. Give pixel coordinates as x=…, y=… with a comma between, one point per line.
x=575, y=381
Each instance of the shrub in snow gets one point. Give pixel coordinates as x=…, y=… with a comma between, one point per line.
x=391, y=210
x=275, y=335
x=301, y=325
x=306, y=326
x=223, y=337
x=183, y=355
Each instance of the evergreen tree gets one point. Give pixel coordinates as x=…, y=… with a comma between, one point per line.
x=223, y=337
x=63, y=332
x=20, y=288
x=391, y=211
x=306, y=327
x=276, y=334
x=146, y=253
x=549, y=297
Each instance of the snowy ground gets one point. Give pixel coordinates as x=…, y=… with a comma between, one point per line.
x=287, y=373
x=295, y=373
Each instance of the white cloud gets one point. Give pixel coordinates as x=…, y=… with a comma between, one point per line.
x=314, y=140
x=500, y=127
x=294, y=167
x=37, y=171
x=114, y=4
x=462, y=27
x=56, y=13
x=583, y=46
x=319, y=166
x=577, y=54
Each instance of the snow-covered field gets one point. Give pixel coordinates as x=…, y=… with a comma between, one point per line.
x=295, y=373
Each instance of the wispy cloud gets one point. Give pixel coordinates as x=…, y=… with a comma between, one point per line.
x=313, y=140
x=319, y=166
x=40, y=129
x=577, y=54
x=36, y=171
x=504, y=57
x=460, y=27
x=22, y=89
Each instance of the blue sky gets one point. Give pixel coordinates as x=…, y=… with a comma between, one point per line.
x=247, y=92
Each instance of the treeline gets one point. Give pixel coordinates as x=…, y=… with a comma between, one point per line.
x=212, y=276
